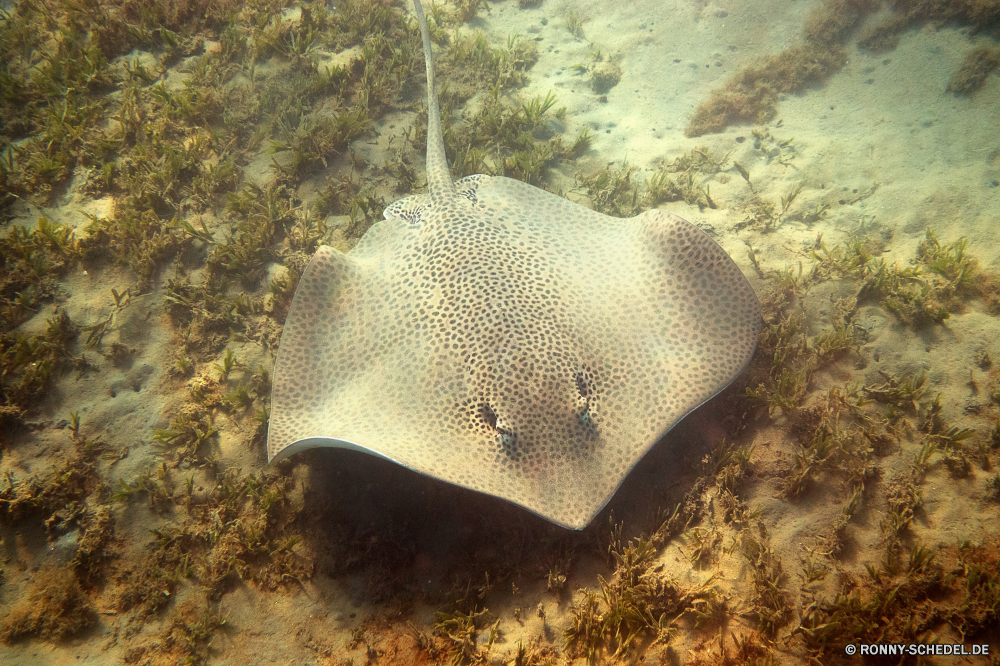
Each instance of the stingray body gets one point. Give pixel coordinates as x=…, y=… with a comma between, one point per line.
x=501, y=338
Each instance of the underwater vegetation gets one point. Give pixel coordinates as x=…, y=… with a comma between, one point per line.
x=30, y=363
x=684, y=179
x=751, y=95
x=508, y=139
x=172, y=159
x=502, y=137
x=936, y=283
x=839, y=439
x=978, y=14
x=978, y=65
x=196, y=231
x=165, y=152
x=55, y=608
x=32, y=263
x=188, y=224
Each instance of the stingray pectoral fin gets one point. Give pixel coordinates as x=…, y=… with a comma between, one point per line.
x=328, y=443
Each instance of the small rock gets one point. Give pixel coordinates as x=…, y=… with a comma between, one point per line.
x=606, y=76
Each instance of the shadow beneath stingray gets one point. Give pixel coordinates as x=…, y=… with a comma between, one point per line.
x=401, y=533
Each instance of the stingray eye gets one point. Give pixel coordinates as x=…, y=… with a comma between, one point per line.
x=489, y=416
x=506, y=437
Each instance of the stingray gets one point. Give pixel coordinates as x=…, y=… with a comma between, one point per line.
x=504, y=339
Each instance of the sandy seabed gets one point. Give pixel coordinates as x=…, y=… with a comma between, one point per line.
x=881, y=151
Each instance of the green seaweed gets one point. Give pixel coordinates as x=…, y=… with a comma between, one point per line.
x=30, y=364
x=32, y=262
x=506, y=139
x=949, y=261
x=495, y=69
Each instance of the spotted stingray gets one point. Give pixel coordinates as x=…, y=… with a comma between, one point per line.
x=501, y=338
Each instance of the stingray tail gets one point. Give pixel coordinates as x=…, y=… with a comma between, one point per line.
x=439, y=181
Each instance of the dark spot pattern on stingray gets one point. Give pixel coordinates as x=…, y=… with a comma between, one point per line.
x=504, y=339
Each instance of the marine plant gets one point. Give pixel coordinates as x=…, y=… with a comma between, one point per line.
x=237, y=528
x=574, y=23
x=636, y=601
x=188, y=434
x=936, y=283
x=30, y=363
x=612, y=191
x=54, y=608
x=504, y=138
x=949, y=261
x=751, y=95
x=32, y=262
x=977, y=66
x=495, y=68
x=56, y=499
